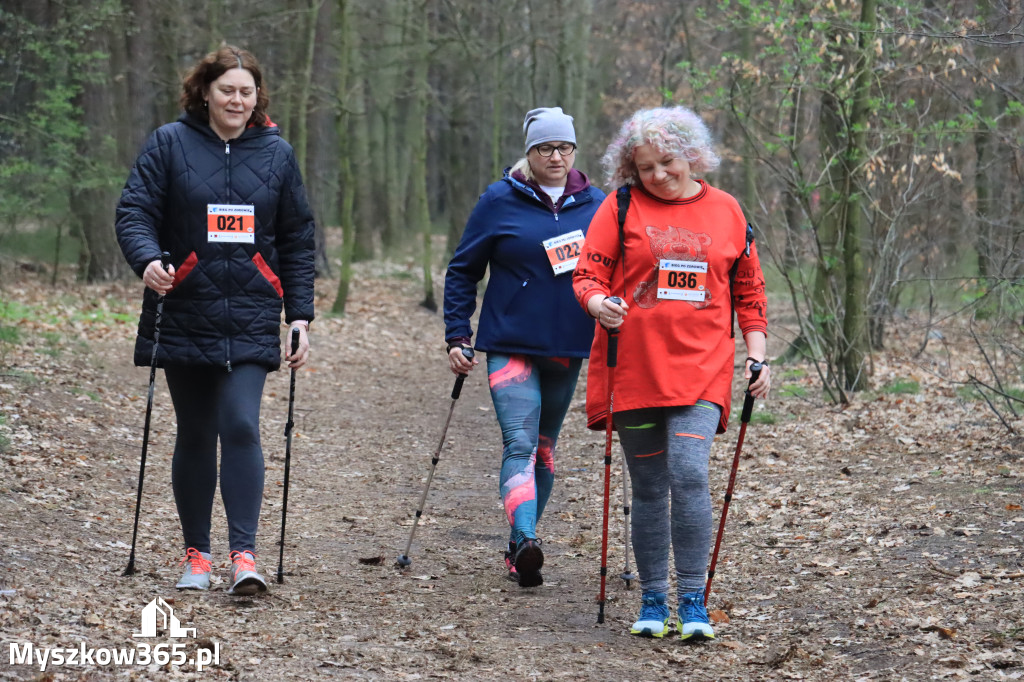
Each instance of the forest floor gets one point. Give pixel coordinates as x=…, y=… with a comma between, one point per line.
x=883, y=541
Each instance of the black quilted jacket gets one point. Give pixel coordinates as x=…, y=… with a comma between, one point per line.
x=225, y=306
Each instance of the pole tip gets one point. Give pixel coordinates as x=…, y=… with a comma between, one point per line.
x=403, y=561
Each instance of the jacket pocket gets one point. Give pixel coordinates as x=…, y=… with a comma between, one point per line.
x=265, y=270
x=516, y=298
x=182, y=272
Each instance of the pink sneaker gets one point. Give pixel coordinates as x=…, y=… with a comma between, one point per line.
x=510, y=562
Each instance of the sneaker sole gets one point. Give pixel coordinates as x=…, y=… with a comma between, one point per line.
x=191, y=586
x=534, y=579
x=696, y=637
x=647, y=632
x=247, y=587
x=528, y=565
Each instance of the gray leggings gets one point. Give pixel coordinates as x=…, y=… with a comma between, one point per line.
x=212, y=404
x=667, y=451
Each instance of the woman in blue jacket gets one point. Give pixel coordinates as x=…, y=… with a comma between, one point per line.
x=221, y=192
x=528, y=228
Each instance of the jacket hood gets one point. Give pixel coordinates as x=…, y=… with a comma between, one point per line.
x=576, y=182
x=251, y=130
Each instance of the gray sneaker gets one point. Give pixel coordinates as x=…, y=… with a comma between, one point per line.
x=245, y=581
x=197, y=570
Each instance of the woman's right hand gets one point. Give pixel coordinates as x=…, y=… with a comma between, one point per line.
x=158, y=279
x=459, y=363
x=606, y=311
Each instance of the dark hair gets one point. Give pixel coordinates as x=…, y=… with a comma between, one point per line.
x=213, y=66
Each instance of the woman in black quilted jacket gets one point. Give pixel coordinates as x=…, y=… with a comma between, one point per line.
x=219, y=190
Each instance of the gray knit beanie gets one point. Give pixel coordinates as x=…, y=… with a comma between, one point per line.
x=547, y=124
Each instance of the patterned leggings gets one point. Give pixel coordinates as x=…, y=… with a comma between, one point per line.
x=531, y=395
x=667, y=453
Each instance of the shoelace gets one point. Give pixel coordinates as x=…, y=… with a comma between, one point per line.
x=197, y=562
x=694, y=611
x=650, y=609
x=242, y=561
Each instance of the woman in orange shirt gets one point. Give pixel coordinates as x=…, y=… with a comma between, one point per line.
x=681, y=264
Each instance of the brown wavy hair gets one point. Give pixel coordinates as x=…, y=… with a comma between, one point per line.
x=213, y=66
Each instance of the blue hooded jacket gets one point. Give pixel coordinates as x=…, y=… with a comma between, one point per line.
x=526, y=308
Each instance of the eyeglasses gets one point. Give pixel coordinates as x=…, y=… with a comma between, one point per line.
x=546, y=150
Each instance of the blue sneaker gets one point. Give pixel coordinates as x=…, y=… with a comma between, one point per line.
x=653, y=620
x=694, y=625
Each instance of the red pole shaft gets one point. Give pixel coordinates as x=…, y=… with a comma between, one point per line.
x=748, y=407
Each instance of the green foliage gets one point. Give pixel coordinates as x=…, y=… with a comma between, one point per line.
x=41, y=165
x=763, y=417
x=902, y=387
x=38, y=245
x=793, y=391
x=969, y=392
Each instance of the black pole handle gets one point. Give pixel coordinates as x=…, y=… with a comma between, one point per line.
x=748, y=400
x=459, y=380
x=613, y=339
x=295, y=340
x=165, y=260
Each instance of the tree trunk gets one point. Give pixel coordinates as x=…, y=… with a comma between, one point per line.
x=94, y=193
x=419, y=215
x=346, y=184
x=855, y=321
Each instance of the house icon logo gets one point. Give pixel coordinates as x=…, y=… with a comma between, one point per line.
x=157, y=615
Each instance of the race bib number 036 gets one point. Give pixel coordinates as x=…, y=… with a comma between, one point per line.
x=231, y=223
x=564, y=250
x=682, y=280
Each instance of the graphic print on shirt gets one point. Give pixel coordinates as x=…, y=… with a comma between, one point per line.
x=672, y=243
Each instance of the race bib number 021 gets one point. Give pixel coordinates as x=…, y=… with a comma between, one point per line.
x=682, y=280
x=564, y=250
x=231, y=223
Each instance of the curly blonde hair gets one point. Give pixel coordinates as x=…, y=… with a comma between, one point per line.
x=674, y=130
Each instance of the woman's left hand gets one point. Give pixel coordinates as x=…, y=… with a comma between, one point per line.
x=298, y=359
x=760, y=388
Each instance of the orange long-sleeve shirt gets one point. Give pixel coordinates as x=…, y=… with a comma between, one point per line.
x=670, y=352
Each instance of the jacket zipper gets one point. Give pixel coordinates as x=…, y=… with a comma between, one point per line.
x=227, y=263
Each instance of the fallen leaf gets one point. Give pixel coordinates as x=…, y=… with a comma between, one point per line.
x=945, y=633
x=718, y=616
x=969, y=579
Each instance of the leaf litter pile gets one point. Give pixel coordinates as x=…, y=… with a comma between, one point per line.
x=880, y=541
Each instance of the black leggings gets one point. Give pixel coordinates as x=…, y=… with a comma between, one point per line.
x=209, y=403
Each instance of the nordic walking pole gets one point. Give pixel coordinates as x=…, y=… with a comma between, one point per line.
x=403, y=558
x=748, y=407
x=612, y=357
x=287, y=456
x=165, y=262
x=627, y=573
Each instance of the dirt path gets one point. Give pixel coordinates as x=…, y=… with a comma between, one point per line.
x=880, y=542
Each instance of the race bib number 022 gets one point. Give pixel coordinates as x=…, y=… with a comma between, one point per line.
x=564, y=250
x=231, y=223
x=682, y=280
